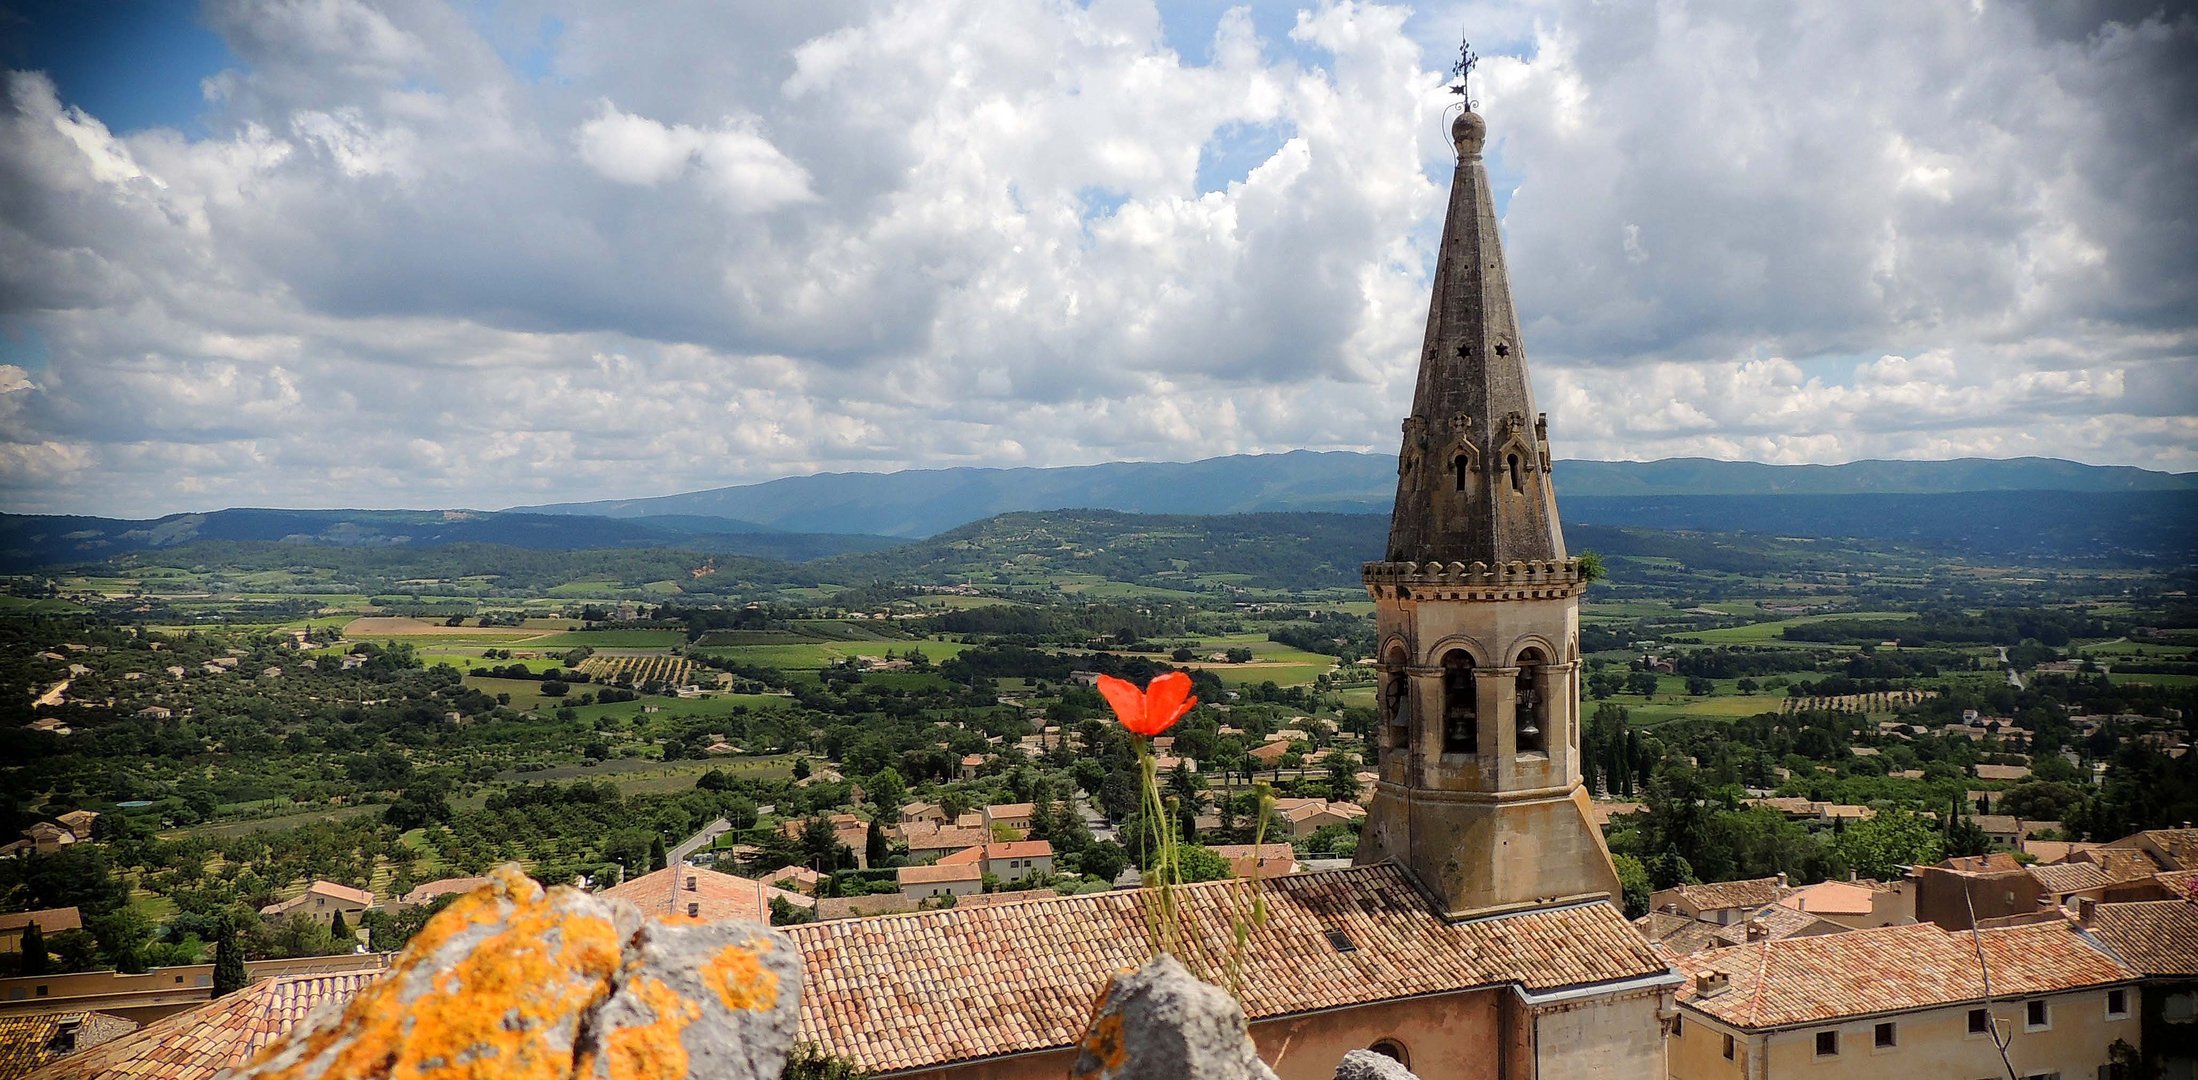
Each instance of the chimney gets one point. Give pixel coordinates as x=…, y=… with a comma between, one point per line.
x=1781, y=879
x=1707, y=983
x=690, y=883
x=1853, y=874
x=1757, y=931
x=2086, y=907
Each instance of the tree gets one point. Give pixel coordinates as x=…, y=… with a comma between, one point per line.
x=887, y=791
x=801, y=768
x=1202, y=864
x=339, y=930
x=821, y=847
x=1633, y=883
x=1343, y=782
x=1104, y=860
x=658, y=858
x=1697, y=686
x=1880, y=847
x=229, y=973
x=876, y=848
x=1747, y=686
x=34, y=951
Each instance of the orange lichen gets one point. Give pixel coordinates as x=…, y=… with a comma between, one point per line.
x=738, y=976
x=484, y=1014
x=650, y=1051
x=1104, y=1045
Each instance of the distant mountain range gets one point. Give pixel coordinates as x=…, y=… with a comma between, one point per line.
x=925, y=502
x=2025, y=507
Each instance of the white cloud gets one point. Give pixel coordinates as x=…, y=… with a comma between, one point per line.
x=709, y=248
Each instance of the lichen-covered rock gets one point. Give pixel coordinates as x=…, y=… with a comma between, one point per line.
x=517, y=983
x=1160, y=1023
x=1368, y=1065
x=702, y=999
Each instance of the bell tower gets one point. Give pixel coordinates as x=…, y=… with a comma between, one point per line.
x=1478, y=606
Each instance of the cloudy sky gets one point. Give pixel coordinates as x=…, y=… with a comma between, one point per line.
x=417, y=253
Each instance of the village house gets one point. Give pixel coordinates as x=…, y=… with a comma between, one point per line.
x=50, y=921
x=1857, y=904
x=1015, y=816
x=971, y=765
x=1904, y=1001
x=1963, y=892
x=941, y=879
x=429, y=892
x=1724, y=902
x=1005, y=862
x=322, y=901
x=1258, y=860
x=799, y=879
x=930, y=843
x=1304, y=817
x=698, y=892
x=1268, y=755
x=2159, y=938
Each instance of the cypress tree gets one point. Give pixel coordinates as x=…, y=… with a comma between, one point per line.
x=657, y=856
x=229, y=973
x=341, y=931
x=34, y=950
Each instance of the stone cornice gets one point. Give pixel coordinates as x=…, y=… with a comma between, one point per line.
x=1536, y=579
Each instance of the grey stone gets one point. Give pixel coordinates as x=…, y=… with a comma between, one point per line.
x=1160, y=1023
x=1368, y=1065
x=726, y=993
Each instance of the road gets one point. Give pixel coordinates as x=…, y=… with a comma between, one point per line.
x=2013, y=679
x=698, y=841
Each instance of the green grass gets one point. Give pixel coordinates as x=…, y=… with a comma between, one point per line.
x=525, y=693
x=1767, y=633
x=608, y=639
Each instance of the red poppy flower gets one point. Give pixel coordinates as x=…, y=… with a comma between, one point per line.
x=1155, y=708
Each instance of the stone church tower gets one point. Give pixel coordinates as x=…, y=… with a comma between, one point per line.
x=1479, y=608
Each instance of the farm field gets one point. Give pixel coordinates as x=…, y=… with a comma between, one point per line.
x=1767, y=633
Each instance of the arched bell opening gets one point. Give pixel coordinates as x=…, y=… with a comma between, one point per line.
x=1396, y=701
x=1529, y=705
x=1461, y=719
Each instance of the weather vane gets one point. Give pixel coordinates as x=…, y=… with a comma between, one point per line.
x=1463, y=70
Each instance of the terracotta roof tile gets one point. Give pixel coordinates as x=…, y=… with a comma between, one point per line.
x=714, y=897
x=936, y=987
x=1806, y=980
x=198, y=1044
x=29, y=1043
x=2157, y=937
x=2070, y=877
x=1719, y=895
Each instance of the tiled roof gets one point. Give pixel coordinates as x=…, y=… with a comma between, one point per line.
x=954, y=985
x=857, y=907
x=2157, y=937
x=2123, y=864
x=1999, y=862
x=717, y=896
x=2179, y=845
x=1806, y=980
x=198, y=1044
x=424, y=893
x=29, y=1043
x=2179, y=882
x=2070, y=877
x=933, y=875
x=945, y=839
x=1775, y=922
x=1832, y=898
x=2053, y=851
x=1719, y=895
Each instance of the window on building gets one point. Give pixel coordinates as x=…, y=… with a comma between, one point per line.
x=2117, y=1003
x=1827, y=1043
x=1678, y=1025
x=1533, y=712
x=2179, y=1008
x=1886, y=1035
x=1980, y=1022
x=1729, y=1049
x=694, y=911
x=1393, y=1050
x=1461, y=718
x=1396, y=700
x=2036, y=1015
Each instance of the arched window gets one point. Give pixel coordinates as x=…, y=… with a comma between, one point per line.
x=1532, y=710
x=1461, y=721
x=1511, y=465
x=1396, y=701
x=1393, y=1050
x=1457, y=469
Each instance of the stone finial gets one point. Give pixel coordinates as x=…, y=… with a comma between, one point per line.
x=1160, y=1023
x=1469, y=133
x=515, y=981
x=1368, y=1065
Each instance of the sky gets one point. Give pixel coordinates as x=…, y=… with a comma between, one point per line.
x=411, y=253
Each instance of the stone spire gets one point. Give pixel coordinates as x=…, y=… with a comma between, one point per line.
x=1473, y=476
